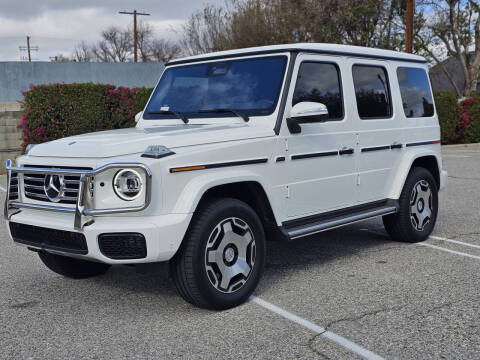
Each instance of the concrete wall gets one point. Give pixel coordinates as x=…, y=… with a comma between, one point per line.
x=10, y=137
x=16, y=77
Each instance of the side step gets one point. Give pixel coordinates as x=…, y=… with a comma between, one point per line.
x=336, y=220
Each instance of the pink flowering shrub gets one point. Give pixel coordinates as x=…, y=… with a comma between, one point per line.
x=58, y=110
x=458, y=121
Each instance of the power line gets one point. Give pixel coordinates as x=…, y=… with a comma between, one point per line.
x=134, y=13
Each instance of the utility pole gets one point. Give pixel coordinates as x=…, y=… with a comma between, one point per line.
x=134, y=13
x=409, y=23
x=28, y=48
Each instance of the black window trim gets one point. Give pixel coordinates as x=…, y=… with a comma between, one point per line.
x=429, y=86
x=340, y=83
x=389, y=91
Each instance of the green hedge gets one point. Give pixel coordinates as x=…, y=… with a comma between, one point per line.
x=59, y=110
x=459, y=122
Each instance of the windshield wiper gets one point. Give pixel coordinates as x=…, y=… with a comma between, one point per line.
x=222, y=110
x=171, y=112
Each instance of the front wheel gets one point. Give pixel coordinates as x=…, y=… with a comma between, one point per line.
x=418, y=209
x=222, y=257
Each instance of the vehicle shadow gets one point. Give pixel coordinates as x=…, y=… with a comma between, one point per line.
x=125, y=285
x=282, y=258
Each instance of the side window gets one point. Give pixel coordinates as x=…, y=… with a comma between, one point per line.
x=372, y=92
x=320, y=82
x=416, y=95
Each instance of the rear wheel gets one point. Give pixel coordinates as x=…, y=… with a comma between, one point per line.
x=418, y=210
x=222, y=257
x=72, y=268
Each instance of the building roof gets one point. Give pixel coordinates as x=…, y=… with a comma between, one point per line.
x=332, y=49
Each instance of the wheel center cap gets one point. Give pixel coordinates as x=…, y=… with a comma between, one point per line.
x=420, y=205
x=229, y=254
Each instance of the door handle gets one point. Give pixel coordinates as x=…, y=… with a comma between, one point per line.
x=346, y=151
x=396, y=146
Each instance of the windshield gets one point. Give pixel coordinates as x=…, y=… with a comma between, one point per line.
x=251, y=86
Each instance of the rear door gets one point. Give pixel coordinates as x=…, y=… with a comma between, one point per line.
x=380, y=131
x=321, y=168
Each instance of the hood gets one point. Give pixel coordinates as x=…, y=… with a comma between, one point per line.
x=134, y=140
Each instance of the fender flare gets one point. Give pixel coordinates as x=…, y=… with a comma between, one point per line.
x=403, y=169
x=196, y=188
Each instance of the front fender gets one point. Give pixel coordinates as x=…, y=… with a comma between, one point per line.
x=404, y=167
x=194, y=190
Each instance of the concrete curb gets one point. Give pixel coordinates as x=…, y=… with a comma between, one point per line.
x=453, y=146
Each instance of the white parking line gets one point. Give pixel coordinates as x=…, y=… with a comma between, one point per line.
x=450, y=251
x=3, y=189
x=340, y=340
x=455, y=241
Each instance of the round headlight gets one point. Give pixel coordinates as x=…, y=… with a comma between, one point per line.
x=127, y=184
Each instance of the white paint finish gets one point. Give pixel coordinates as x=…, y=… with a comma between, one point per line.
x=340, y=340
x=314, y=185
x=401, y=172
x=120, y=142
x=161, y=232
x=376, y=167
x=454, y=241
x=450, y=251
x=326, y=182
x=349, y=49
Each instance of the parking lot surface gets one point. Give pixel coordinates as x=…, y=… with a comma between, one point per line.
x=343, y=294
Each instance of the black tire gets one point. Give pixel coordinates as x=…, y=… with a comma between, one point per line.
x=400, y=225
x=72, y=268
x=189, y=269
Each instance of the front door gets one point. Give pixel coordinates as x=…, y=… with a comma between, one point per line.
x=321, y=169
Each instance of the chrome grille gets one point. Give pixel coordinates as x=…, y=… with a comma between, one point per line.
x=34, y=188
x=13, y=186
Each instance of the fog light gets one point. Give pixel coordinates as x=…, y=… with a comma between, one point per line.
x=127, y=184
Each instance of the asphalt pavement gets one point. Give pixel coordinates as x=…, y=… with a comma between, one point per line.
x=343, y=294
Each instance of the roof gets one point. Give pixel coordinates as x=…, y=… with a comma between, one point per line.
x=331, y=49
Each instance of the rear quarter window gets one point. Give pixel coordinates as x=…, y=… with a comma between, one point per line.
x=372, y=91
x=416, y=94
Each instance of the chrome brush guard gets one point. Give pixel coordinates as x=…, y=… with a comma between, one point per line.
x=83, y=209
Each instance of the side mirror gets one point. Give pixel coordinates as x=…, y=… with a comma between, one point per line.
x=306, y=112
x=138, y=116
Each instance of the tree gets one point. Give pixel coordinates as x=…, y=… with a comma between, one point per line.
x=244, y=23
x=144, y=39
x=163, y=50
x=82, y=52
x=454, y=31
x=115, y=46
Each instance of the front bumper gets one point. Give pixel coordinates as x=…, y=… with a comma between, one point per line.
x=163, y=234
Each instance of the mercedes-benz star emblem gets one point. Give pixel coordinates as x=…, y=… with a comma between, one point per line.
x=54, y=187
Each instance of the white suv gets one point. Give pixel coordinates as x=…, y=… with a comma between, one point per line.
x=234, y=148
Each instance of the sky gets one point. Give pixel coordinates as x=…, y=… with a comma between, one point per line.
x=56, y=26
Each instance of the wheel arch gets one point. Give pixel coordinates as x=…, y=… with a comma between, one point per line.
x=247, y=187
x=429, y=160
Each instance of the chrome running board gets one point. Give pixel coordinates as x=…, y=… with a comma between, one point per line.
x=298, y=231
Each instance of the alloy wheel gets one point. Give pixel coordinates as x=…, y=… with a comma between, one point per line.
x=230, y=255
